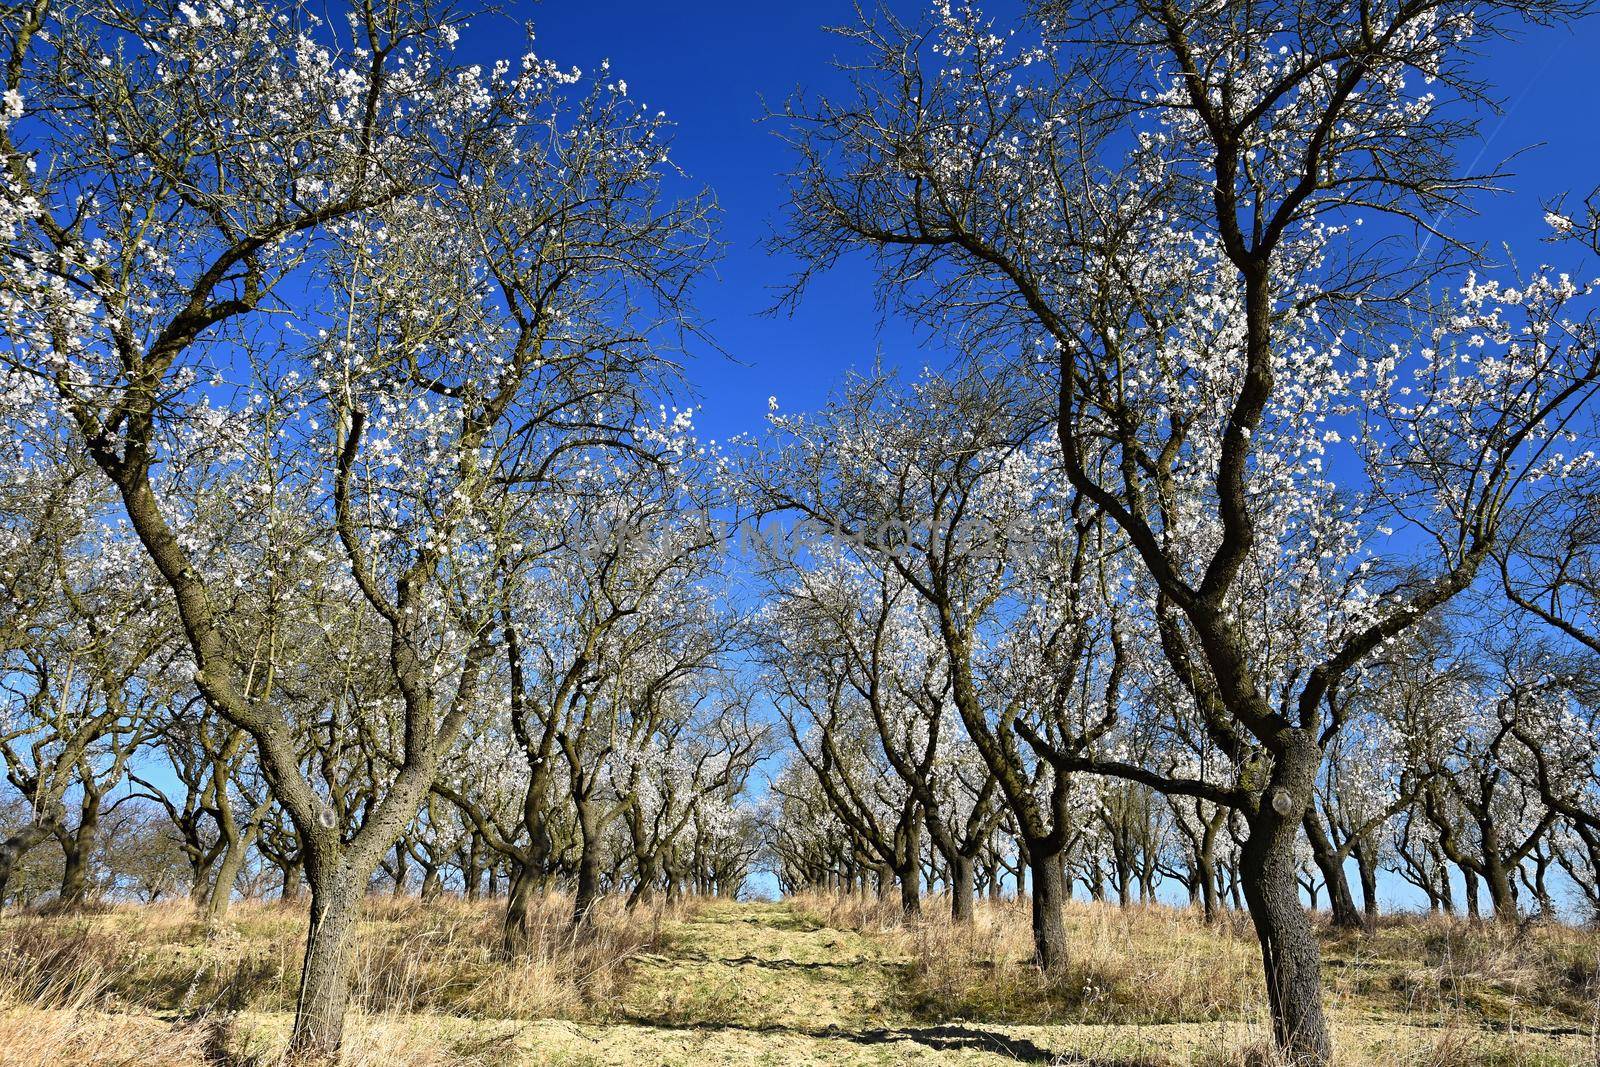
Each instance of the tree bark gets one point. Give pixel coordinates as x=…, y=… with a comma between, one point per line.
x=1497, y=879
x=200, y=879
x=324, y=978
x=471, y=871
x=75, y=847
x=291, y=882
x=1049, y=929
x=402, y=868
x=1123, y=870
x=644, y=886
x=588, y=888
x=910, y=879
x=431, y=887
x=1206, y=861
x=227, y=874
x=962, y=889
x=514, y=938
x=1340, y=900
x=1367, y=865
x=14, y=848
x=1290, y=956
x=1447, y=898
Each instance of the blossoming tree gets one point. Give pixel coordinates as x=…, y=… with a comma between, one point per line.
x=395, y=261
x=1160, y=204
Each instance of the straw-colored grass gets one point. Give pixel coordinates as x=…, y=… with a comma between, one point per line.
x=818, y=979
x=87, y=986
x=1468, y=994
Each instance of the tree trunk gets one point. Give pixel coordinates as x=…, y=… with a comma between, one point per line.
x=238, y=849
x=519, y=910
x=1447, y=899
x=200, y=880
x=13, y=848
x=471, y=872
x=227, y=874
x=1206, y=864
x=1340, y=901
x=645, y=886
x=962, y=889
x=324, y=978
x=911, y=891
x=1502, y=897
x=1367, y=865
x=1469, y=879
x=402, y=868
x=1211, y=905
x=1147, y=885
x=291, y=882
x=588, y=889
x=1094, y=881
x=1289, y=953
x=74, y=869
x=1049, y=929
x=1541, y=886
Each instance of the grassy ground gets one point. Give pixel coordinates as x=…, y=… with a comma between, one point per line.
x=817, y=980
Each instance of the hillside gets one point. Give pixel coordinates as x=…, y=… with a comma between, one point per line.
x=809, y=981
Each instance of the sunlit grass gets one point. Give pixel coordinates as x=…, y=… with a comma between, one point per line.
x=821, y=978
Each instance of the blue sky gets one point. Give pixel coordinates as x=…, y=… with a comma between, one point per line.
x=715, y=67
x=710, y=64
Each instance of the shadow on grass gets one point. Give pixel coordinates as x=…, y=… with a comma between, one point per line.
x=781, y=964
x=789, y=922
x=950, y=1037
x=953, y=1037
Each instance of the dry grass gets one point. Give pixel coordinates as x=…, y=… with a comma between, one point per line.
x=84, y=989
x=1473, y=995
x=1454, y=1046
x=820, y=979
x=1135, y=965
x=1496, y=971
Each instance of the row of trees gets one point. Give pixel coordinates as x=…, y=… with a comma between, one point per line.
x=1453, y=777
x=1219, y=450
x=346, y=534
x=611, y=732
x=340, y=519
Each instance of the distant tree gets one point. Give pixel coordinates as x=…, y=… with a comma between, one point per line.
x=88, y=663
